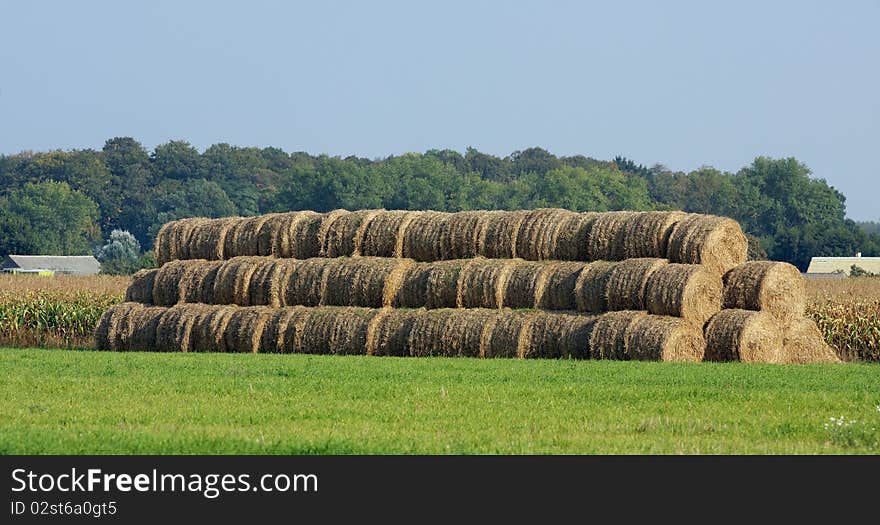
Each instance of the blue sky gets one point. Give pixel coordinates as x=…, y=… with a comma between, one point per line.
x=684, y=84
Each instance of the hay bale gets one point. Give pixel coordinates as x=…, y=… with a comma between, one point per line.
x=646, y=234
x=208, y=239
x=774, y=287
x=298, y=239
x=592, y=282
x=450, y=332
x=273, y=339
x=570, y=243
x=359, y=281
x=173, y=332
x=538, y=233
x=744, y=335
x=498, y=234
x=608, y=336
x=412, y=289
x=421, y=239
x=556, y=335
x=395, y=280
x=196, y=284
x=342, y=235
x=337, y=330
x=442, y=283
x=603, y=237
x=101, y=334
x=388, y=332
x=290, y=329
x=141, y=335
x=380, y=234
x=326, y=231
x=265, y=284
x=520, y=289
x=460, y=236
x=481, y=283
x=166, y=283
x=246, y=236
x=112, y=324
x=628, y=281
x=664, y=338
x=233, y=280
x=162, y=245
x=803, y=343
x=509, y=335
x=268, y=236
x=303, y=285
x=716, y=242
x=141, y=288
x=121, y=326
x=689, y=291
x=556, y=285
x=244, y=331
x=208, y=333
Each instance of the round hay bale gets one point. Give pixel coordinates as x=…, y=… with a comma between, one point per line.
x=337, y=330
x=101, y=333
x=359, y=281
x=646, y=234
x=803, y=343
x=395, y=281
x=121, y=326
x=303, y=285
x=173, y=332
x=265, y=283
x=343, y=235
x=272, y=340
x=196, y=285
x=441, y=283
x=208, y=332
x=246, y=236
x=145, y=322
x=664, y=338
x=233, y=280
x=326, y=231
x=234, y=233
x=572, y=232
x=461, y=235
x=590, y=287
x=556, y=335
x=689, y=291
x=774, y=287
x=111, y=327
x=539, y=232
x=608, y=336
x=290, y=329
x=556, y=285
x=141, y=288
x=388, y=332
x=482, y=282
x=510, y=335
x=162, y=244
x=744, y=335
x=380, y=234
x=449, y=332
x=603, y=237
x=166, y=283
x=498, y=233
x=208, y=239
x=244, y=331
x=716, y=242
x=274, y=226
x=520, y=289
x=412, y=291
x=421, y=239
x=628, y=281
x=298, y=239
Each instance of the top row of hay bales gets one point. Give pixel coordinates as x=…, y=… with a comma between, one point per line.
x=544, y=234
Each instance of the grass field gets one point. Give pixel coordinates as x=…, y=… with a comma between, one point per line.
x=70, y=402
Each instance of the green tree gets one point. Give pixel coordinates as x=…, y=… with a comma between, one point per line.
x=176, y=159
x=120, y=255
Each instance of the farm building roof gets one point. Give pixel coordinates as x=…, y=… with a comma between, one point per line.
x=825, y=265
x=69, y=264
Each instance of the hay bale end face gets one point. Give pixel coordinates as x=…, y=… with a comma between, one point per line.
x=689, y=291
x=716, y=242
x=774, y=287
x=744, y=335
x=498, y=234
x=663, y=338
x=803, y=343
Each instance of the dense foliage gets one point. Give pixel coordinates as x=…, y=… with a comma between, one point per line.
x=68, y=202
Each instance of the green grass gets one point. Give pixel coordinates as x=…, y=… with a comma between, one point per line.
x=72, y=402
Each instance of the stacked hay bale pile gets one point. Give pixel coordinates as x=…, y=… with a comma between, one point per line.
x=664, y=286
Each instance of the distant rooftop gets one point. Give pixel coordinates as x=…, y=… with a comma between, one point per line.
x=69, y=264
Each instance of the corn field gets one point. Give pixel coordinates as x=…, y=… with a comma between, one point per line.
x=848, y=314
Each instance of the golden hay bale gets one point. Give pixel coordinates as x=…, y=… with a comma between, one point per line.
x=603, y=237
x=570, y=242
x=298, y=238
x=510, y=334
x=395, y=280
x=520, y=290
x=162, y=245
x=326, y=231
x=337, y=330
x=144, y=322
x=208, y=332
x=383, y=235
x=774, y=287
x=664, y=338
x=173, y=332
x=539, y=231
x=646, y=234
x=273, y=339
x=196, y=284
x=717, y=242
x=233, y=280
x=608, y=336
x=343, y=235
x=359, y=281
x=111, y=327
x=244, y=331
x=166, y=283
x=689, y=291
x=273, y=227
x=141, y=288
x=589, y=290
x=421, y=239
x=120, y=326
x=245, y=237
x=556, y=285
x=265, y=283
x=441, y=289
x=482, y=282
x=388, y=332
x=803, y=343
x=101, y=333
x=289, y=330
x=181, y=237
x=627, y=283
x=460, y=237
x=450, y=332
x=303, y=285
x=556, y=335
x=744, y=335
x=208, y=239
x=498, y=233
x=412, y=289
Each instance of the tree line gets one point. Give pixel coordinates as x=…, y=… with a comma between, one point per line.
x=70, y=202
